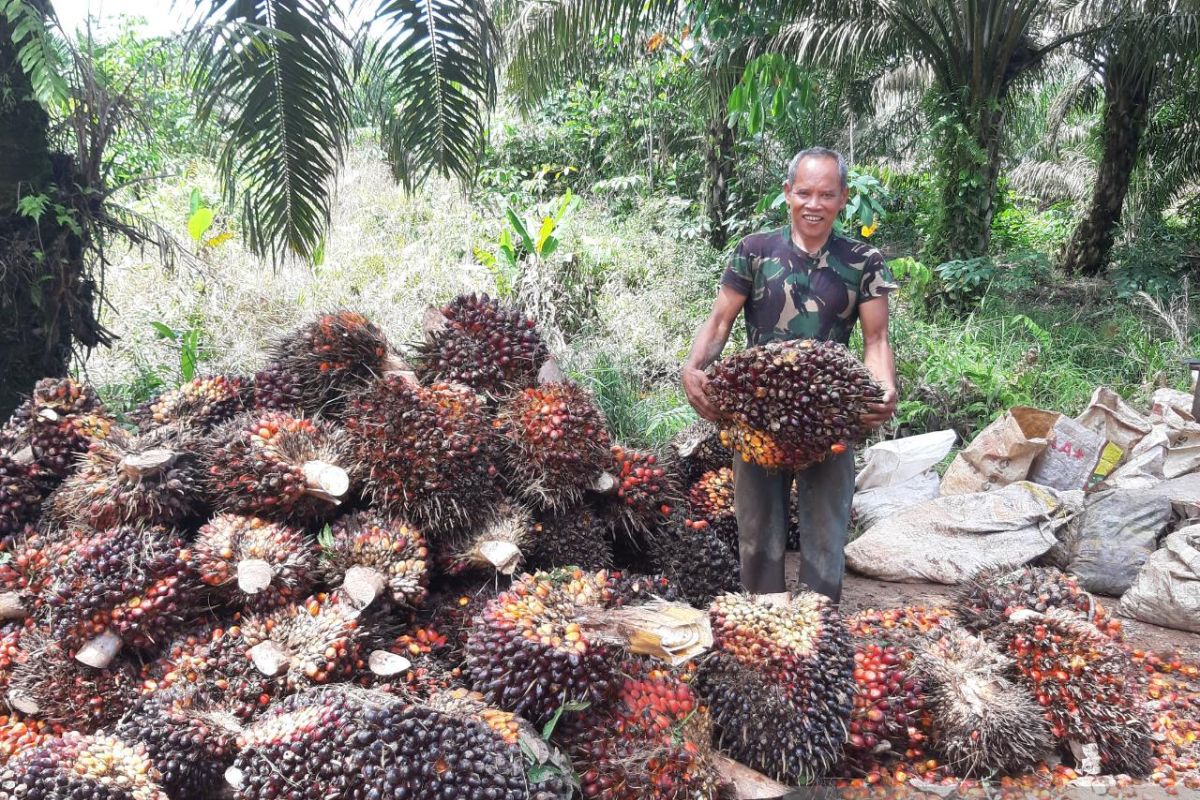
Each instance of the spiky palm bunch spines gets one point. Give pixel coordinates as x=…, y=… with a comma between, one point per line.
x=989, y=598
x=697, y=449
x=495, y=543
x=645, y=493
x=278, y=466
x=789, y=404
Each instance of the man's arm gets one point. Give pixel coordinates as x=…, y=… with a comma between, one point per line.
x=877, y=355
x=706, y=348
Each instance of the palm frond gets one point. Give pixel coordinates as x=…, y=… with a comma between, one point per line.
x=436, y=63
x=1070, y=177
x=38, y=53
x=274, y=73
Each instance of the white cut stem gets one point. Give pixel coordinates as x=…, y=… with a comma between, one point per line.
x=50, y=414
x=747, y=784
x=11, y=606
x=23, y=456
x=23, y=702
x=363, y=585
x=605, y=483
x=385, y=663
x=234, y=777
x=326, y=481
x=504, y=556
x=135, y=465
x=551, y=372
x=100, y=651
x=254, y=575
x=269, y=658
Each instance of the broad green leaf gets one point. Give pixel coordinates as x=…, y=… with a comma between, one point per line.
x=544, y=234
x=194, y=201
x=518, y=225
x=164, y=331
x=199, y=223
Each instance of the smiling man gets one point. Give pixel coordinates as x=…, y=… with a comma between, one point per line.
x=800, y=282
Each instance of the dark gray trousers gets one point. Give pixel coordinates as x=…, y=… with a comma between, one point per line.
x=823, y=495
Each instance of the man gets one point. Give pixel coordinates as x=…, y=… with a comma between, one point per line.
x=800, y=282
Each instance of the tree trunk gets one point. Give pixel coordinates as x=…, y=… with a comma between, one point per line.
x=718, y=171
x=43, y=285
x=1126, y=113
x=970, y=171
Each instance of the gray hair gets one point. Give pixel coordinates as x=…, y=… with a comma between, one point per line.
x=819, y=152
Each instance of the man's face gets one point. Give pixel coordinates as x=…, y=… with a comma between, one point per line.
x=815, y=197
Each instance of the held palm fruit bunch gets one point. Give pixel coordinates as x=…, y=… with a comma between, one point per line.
x=373, y=555
x=480, y=342
x=154, y=479
x=575, y=537
x=494, y=544
x=779, y=683
x=528, y=654
x=698, y=449
x=645, y=494
x=989, y=598
x=1089, y=688
x=81, y=767
x=982, y=723
x=789, y=404
x=23, y=487
x=428, y=454
x=48, y=684
x=317, y=641
x=214, y=664
x=201, y=404
x=555, y=441
x=652, y=741
x=277, y=466
x=189, y=746
x=710, y=500
x=326, y=360
x=697, y=562
x=59, y=420
x=252, y=561
x=888, y=721
x=122, y=586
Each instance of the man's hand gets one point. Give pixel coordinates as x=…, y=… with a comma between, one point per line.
x=879, y=413
x=694, y=381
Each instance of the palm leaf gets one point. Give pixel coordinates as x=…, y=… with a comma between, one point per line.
x=435, y=69
x=273, y=73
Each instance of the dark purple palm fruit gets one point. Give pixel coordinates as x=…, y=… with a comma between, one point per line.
x=697, y=562
x=643, y=493
x=480, y=342
x=574, y=537
x=697, y=449
x=59, y=420
x=153, y=479
x=199, y=405
x=23, y=487
x=277, y=389
x=253, y=562
x=371, y=555
x=82, y=767
x=280, y=467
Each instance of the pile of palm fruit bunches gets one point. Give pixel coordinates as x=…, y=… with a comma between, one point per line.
x=365, y=573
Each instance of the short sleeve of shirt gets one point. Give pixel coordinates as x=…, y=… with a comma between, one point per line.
x=738, y=272
x=877, y=279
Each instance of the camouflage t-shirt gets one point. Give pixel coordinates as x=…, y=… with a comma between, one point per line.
x=791, y=294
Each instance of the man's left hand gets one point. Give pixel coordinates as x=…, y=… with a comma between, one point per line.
x=879, y=413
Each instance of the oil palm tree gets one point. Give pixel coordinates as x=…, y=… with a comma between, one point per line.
x=277, y=76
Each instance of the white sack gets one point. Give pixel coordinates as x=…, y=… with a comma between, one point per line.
x=896, y=461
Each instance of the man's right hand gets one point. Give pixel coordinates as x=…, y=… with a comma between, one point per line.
x=694, y=381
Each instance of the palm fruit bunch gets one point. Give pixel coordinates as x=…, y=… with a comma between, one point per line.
x=23, y=487
x=626, y=588
x=81, y=767
x=495, y=544
x=576, y=537
x=314, y=642
x=326, y=360
x=277, y=466
x=253, y=561
x=888, y=720
x=697, y=562
x=59, y=420
x=779, y=682
x=154, y=479
x=982, y=723
x=789, y=404
x=528, y=654
x=276, y=389
x=646, y=494
x=47, y=683
x=1174, y=694
x=651, y=741
x=482, y=343
x=190, y=748
x=26, y=562
x=10, y=650
x=426, y=453
x=556, y=443
x=18, y=733
x=989, y=598
x=697, y=449
x=201, y=404
x=710, y=500
x=214, y=664
x=899, y=625
x=1090, y=689
x=453, y=608
x=430, y=664
x=122, y=586
x=372, y=555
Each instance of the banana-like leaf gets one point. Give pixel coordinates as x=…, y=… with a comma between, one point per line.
x=272, y=74
x=435, y=62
